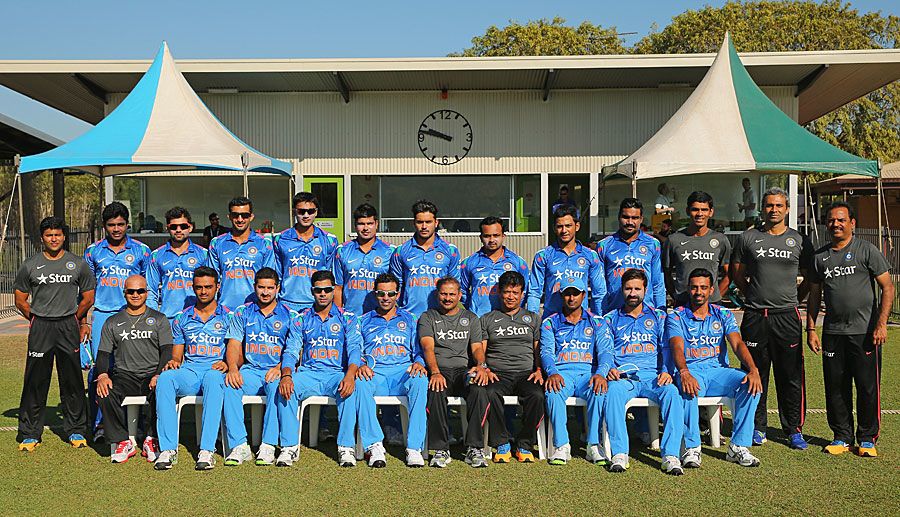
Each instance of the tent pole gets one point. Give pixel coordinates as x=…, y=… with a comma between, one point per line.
x=245, y=165
x=880, y=229
x=21, y=221
x=9, y=208
x=634, y=185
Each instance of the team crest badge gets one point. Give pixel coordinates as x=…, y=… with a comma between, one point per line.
x=129, y=258
x=377, y=261
x=439, y=256
x=277, y=325
x=790, y=242
x=848, y=256
x=70, y=265
x=335, y=327
x=643, y=250
x=588, y=331
x=218, y=325
x=648, y=324
x=507, y=266
x=401, y=325
x=716, y=325
x=317, y=249
x=252, y=250
x=192, y=261
x=581, y=261
x=151, y=321
x=464, y=322
x=526, y=318
x=714, y=243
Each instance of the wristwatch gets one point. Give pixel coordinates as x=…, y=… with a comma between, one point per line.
x=483, y=365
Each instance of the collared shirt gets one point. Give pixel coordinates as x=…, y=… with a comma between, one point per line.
x=237, y=265
x=705, y=345
x=478, y=279
x=55, y=286
x=204, y=341
x=390, y=342
x=640, y=341
x=551, y=264
x=111, y=268
x=587, y=343
x=453, y=335
x=685, y=253
x=330, y=344
x=170, y=278
x=419, y=269
x=135, y=342
x=355, y=271
x=298, y=259
x=265, y=337
x=510, y=340
x=772, y=263
x=619, y=256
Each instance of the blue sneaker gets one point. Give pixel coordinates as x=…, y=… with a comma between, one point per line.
x=29, y=444
x=867, y=449
x=759, y=437
x=78, y=441
x=836, y=448
x=797, y=442
x=503, y=455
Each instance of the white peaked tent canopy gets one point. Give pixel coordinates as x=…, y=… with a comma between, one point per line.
x=162, y=125
x=729, y=125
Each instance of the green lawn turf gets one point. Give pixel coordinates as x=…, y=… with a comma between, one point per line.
x=57, y=479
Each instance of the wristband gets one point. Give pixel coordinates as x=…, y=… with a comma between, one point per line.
x=283, y=375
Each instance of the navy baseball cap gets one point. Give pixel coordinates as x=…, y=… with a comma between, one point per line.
x=571, y=282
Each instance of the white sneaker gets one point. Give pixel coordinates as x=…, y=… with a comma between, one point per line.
x=741, y=456
x=619, y=463
x=239, y=455
x=346, y=456
x=672, y=465
x=441, y=459
x=691, y=458
x=206, y=460
x=414, y=458
x=561, y=455
x=376, y=456
x=288, y=456
x=594, y=455
x=265, y=456
x=150, y=449
x=120, y=452
x=166, y=460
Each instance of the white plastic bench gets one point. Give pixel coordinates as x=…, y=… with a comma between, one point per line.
x=384, y=401
x=134, y=404
x=541, y=431
x=715, y=428
x=652, y=423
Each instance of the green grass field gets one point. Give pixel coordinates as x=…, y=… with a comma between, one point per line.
x=57, y=479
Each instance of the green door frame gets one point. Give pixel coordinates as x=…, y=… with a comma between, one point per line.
x=331, y=200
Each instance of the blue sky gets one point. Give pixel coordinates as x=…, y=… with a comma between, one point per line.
x=123, y=29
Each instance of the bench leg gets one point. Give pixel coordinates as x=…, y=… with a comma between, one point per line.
x=131, y=414
x=551, y=448
x=315, y=413
x=198, y=421
x=715, y=430
x=464, y=419
x=360, y=452
x=404, y=421
x=653, y=423
x=542, y=439
x=256, y=423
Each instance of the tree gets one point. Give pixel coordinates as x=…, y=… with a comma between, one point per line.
x=868, y=127
x=545, y=38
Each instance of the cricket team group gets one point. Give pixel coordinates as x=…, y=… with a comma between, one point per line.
x=296, y=314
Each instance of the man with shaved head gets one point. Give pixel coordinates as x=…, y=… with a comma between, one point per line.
x=137, y=342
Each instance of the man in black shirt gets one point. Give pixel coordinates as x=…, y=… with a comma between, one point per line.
x=214, y=229
x=138, y=339
x=61, y=286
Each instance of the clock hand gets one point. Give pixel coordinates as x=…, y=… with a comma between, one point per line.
x=438, y=134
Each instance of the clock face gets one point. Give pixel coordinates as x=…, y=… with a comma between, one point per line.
x=445, y=137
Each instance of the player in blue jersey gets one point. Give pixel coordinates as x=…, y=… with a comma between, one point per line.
x=357, y=262
x=330, y=344
x=112, y=259
x=565, y=258
x=259, y=333
x=696, y=334
x=640, y=354
x=575, y=353
x=479, y=272
x=422, y=260
x=172, y=266
x=630, y=248
x=239, y=254
x=393, y=365
x=300, y=251
x=197, y=367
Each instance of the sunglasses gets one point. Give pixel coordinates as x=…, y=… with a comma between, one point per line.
x=136, y=291
x=182, y=226
x=382, y=294
x=306, y=211
x=320, y=290
x=241, y=215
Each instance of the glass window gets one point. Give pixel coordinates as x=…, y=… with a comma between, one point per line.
x=327, y=194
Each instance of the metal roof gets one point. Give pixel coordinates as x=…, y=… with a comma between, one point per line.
x=19, y=138
x=825, y=80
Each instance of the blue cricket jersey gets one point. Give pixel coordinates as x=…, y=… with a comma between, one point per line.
x=112, y=268
x=419, y=269
x=618, y=256
x=265, y=337
x=390, y=343
x=355, y=271
x=237, y=265
x=330, y=344
x=204, y=342
x=549, y=267
x=298, y=259
x=587, y=344
x=478, y=279
x=170, y=278
x=705, y=345
x=640, y=341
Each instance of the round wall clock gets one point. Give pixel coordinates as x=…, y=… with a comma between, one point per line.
x=445, y=137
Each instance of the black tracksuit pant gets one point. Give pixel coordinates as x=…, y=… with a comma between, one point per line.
x=486, y=404
x=50, y=338
x=438, y=426
x=774, y=338
x=845, y=360
x=126, y=384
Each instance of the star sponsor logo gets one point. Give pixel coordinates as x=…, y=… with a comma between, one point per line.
x=839, y=271
x=425, y=269
x=512, y=330
x=568, y=273
x=453, y=334
x=714, y=243
x=126, y=335
x=697, y=255
x=54, y=278
x=202, y=338
x=70, y=265
x=773, y=253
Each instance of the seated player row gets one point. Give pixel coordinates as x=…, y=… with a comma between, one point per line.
x=264, y=348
